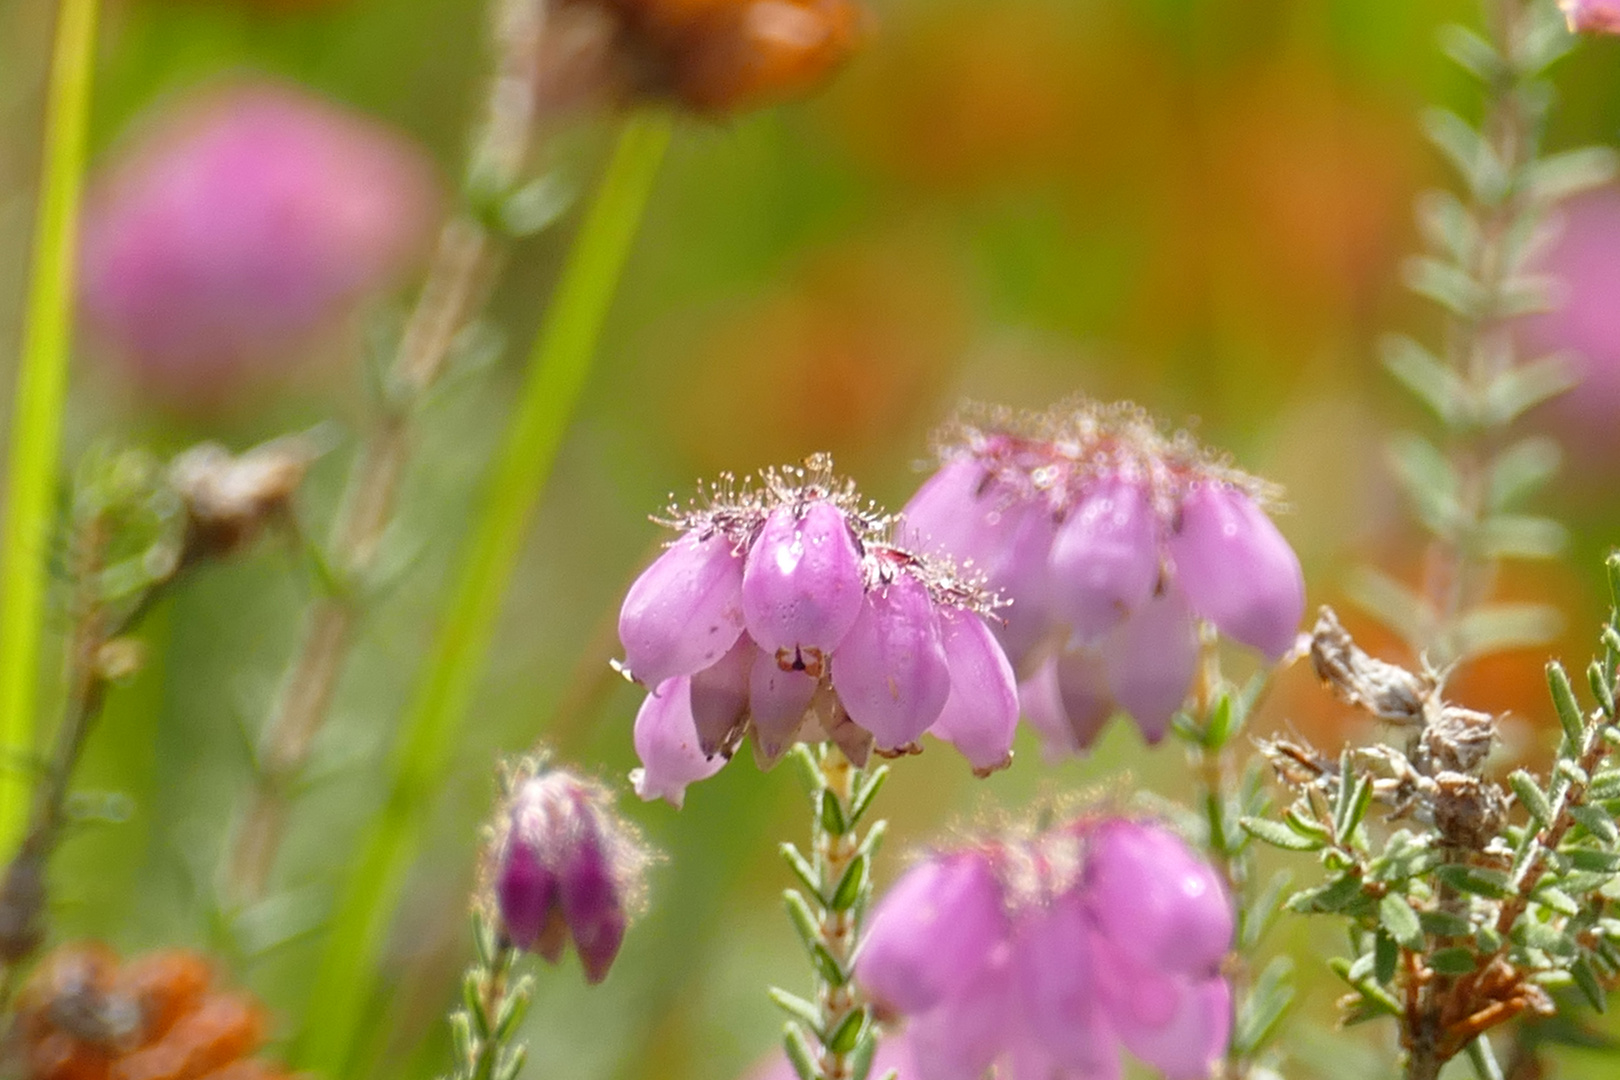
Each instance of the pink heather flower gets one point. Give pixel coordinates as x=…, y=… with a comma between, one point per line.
x=1112, y=541
x=667, y=743
x=563, y=866
x=238, y=228
x=1045, y=954
x=1601, y=16
x=684, y=612
x=828, y=631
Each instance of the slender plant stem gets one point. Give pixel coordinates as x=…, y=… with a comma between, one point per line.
x=458, y=279
x=485, y=1027
x=840, y=930
x=41, y=395
x=560, y=361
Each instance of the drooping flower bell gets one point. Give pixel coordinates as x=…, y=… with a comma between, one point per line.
x=1044, y=953
x=1112, y=541
x=563, y=866
x=784, y=612
x=238, y=228
x=1596, y=16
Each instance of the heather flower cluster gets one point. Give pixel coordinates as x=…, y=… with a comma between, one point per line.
x=1043, y=955
x=1601, y=16
x=563, y=866
x=782, y=611
x=1112, y=541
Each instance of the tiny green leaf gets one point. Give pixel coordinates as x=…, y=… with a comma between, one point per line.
x=1400, y=920
x=1531, y=797
x=1453, y=961
x=803, y=871
x=804, y=920
x=1596, y=820
x=848, y=1034
x=862, y=802
x=1590, y=985
x=1277, y=834
x=1476, y=880
x=1569, y=710
x=832, y=815
x=797, y=1007
x=1385, y=954
x=850, y=886
x=799, y=1053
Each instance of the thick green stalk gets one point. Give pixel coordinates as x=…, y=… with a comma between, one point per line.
x=559, y=364
x=40, y=396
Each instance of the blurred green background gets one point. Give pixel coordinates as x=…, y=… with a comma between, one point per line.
x=1197, y=204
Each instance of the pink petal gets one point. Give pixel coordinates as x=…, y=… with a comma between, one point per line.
x=684, y=612
x=1150, y=662
x=981, y=714
x=720, y=697
x=1105, y=558
x=667, y=743
x=1156, y=899
x=1055, y=963
x=802, y=584
x=1237, y=570
x=777, y=702
x=890, y=670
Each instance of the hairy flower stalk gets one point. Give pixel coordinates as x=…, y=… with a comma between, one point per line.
x=832, y=1037
x=458, y=279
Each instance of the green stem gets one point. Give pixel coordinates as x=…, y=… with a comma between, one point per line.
x=41, y=392
x=558, y=366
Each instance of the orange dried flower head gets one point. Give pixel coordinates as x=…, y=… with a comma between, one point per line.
x=82, y=1016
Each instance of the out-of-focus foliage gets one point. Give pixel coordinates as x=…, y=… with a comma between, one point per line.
x=1198, y=204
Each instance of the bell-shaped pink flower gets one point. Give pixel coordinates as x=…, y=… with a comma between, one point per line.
x=666, y=741
x=1150, y=662
x=980, y=716
x=1067, y=701
x=802, y=584
x=720, y=697
x=238, y=228
x=961, y=1037
x=1105, y=558
x=1163, y=906
x=778, y=701
x=1022, y=576
x=947, y=515
x=890, y=670
x=1592, y=16
x=1055, y=965
x=684, y=612
x=1189, y=1044
x=932, y=933
x=1236, y=568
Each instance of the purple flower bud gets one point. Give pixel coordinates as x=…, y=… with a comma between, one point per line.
x=981, y=715
x=720, y=697
x=1601, y=16
x=1105, y=558
x=890, y=670
x=1162, y=906
x=1055, y=971
x=777, y=701
x=1192, y=1040
x=1150, y=662
x=802, y=584
x=1237, y=570
x=1067, y=701
x=667, y=743
x=592, y=904
x=932, y=933
x=684, y=612
x=565, y=867
x=241, y=227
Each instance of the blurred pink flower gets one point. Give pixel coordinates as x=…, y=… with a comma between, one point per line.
x=1602, y=16
x=1586, y=321
x=237, y=226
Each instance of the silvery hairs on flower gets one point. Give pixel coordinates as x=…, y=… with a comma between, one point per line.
x=1111, y=539
x=785, y=611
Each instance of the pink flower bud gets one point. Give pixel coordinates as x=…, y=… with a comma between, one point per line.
x=1055, y=971
x=890, y=670
x=1601, y=16
x=980, y=716
x=1150, y=662
x=1237, y=570
x=1163, y=906
x=963, y=1035
x=539, y=833
x=802, y=584
x=720, y=697
x=1067, y=701
x=666, y=741
x=1105, y=559
x=947, y=515
x=685, y=610
x=239, y=227
x=932, y=933
x=777, y=701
